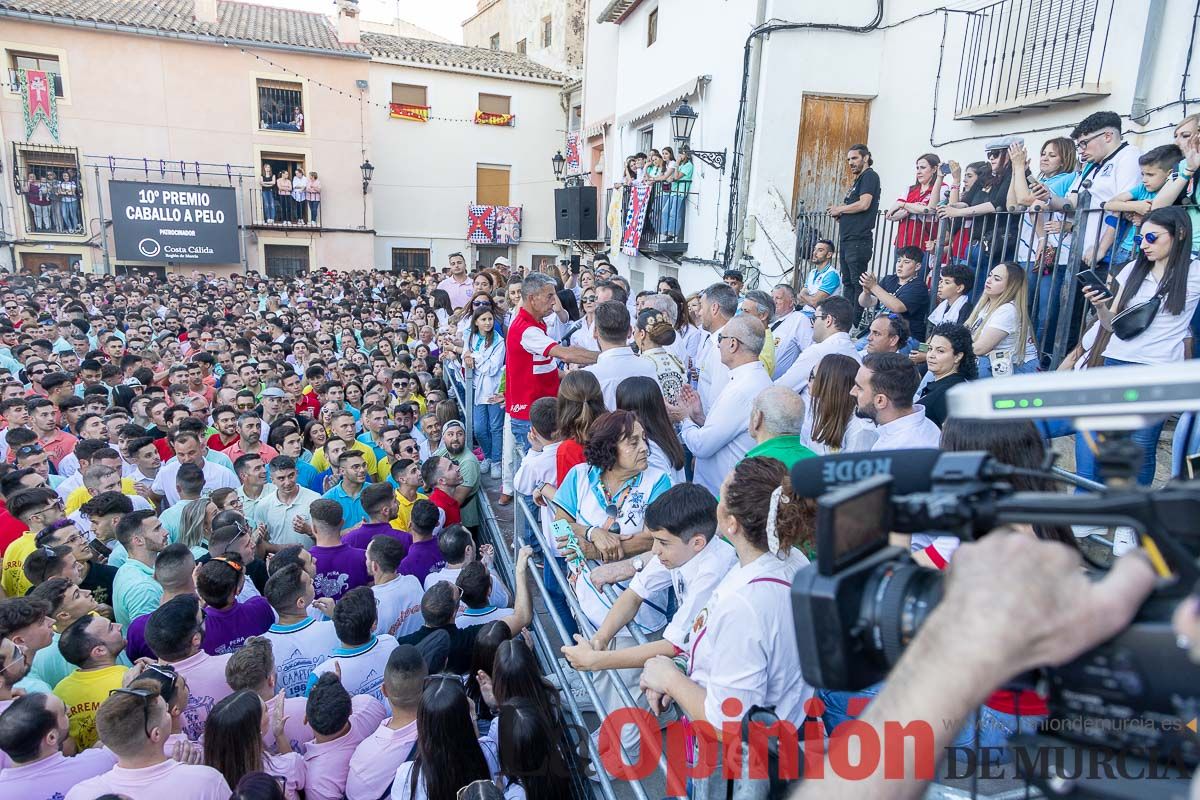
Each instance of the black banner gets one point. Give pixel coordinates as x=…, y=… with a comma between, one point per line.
x=172, y=222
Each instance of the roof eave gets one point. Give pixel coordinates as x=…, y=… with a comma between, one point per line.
x=397, y=61
x=186, y=36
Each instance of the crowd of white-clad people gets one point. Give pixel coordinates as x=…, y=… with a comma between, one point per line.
x=243, y=547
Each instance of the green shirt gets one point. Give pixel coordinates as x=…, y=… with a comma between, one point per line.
x=786, y=448
x=468, y=464
x=684, y=184
x=135, y=592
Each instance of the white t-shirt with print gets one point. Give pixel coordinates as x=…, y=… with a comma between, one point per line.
x=1162, y=342
x=1005, y=319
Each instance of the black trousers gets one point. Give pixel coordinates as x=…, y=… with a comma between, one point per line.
x=855, y=257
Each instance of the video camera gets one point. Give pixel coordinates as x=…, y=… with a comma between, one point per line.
x=864, y=601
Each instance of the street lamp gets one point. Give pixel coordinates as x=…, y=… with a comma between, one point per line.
x=368, y=170
x=683, y=119
x=559, y=164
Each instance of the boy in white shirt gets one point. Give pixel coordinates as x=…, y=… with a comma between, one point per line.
x=458, y=548
x=688, y=556
x=536, y=476
x=397, y=597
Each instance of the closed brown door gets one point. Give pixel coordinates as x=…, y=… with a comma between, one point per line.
x=828, y=127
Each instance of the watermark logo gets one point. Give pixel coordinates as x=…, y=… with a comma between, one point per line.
x=149, y=247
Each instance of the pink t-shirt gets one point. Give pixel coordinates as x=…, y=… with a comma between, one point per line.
x=290, y=767
x=375, y=761
x=297, y=731
x=328, y=763
x=186, y=782
x=51, y=777
x=205, y=677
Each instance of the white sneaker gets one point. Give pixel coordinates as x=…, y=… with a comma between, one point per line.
x=485, y=467
x=575, y=686
x=1124, y=540
x=497, y=470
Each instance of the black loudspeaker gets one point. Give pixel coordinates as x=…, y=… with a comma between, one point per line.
x=575, y=213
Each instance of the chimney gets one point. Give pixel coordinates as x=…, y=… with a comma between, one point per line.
x=206, y=11
x=347, y=22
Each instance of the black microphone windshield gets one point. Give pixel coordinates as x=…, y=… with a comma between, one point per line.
x=910, y=469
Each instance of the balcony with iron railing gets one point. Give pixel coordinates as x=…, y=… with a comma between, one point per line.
x=1022, y=54
x=272, y=209
x=663, y=222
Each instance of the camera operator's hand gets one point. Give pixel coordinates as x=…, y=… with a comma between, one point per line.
x=1186, y=623
x=1020, y=603
x=1011, y=603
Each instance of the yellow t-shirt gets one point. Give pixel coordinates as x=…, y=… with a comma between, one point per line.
x=404, y=517
x=13, y=579
x=767, y=356
x=81, y=495
x=320, y=464
x=83, y=691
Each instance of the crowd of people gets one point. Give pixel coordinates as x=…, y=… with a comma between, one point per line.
x=244, y=552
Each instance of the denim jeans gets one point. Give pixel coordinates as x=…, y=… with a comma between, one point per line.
x=488, y=428
x=995, y=727
x=520, y=433
x=269, y=206
x=979, y=262
x=672, y=215
x=70, y=212
x=1024, y=368
x=1146, y=438
x=314, y=211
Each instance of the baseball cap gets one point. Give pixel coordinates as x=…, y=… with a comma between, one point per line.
x=452, y=424
x=501, y=261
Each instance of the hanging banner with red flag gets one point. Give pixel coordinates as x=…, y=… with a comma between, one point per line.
x=38, y=102
x=481, y=224
x=488, y=118
x=639, y=201
x=408, y=111
x=574, y=166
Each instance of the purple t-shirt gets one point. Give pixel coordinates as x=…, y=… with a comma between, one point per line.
x=339, y=569
x=422, y=558
x=135, y=640
x=361, y=536
x=227, y=629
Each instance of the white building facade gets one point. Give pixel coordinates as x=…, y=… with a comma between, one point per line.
x=429, y=172
x=905, y=78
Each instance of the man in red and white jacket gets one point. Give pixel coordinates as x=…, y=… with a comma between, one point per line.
x=530, y=371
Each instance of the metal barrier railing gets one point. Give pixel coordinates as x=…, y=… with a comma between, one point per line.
x=1052, y=244
x=461, y=386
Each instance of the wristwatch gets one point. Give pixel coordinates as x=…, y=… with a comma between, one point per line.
x=638, y=564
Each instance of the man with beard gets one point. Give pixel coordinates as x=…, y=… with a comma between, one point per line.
x=856, y=217
x=454, y=447
x=883, y=390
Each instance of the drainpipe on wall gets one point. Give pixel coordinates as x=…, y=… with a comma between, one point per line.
x=749, y=126
x=1150, y=40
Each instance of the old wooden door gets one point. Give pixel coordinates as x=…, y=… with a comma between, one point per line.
x=828, y=127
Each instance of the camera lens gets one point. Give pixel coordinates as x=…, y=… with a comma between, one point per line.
x=896, y=603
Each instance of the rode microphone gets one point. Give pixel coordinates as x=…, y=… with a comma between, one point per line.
x=910, y=470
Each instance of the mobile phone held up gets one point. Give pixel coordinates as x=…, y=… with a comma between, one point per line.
x=945, y=168
x=1088, y=279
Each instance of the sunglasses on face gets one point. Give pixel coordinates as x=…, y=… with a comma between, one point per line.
x=1150, y=238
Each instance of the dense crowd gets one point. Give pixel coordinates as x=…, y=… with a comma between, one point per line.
x=243, y=544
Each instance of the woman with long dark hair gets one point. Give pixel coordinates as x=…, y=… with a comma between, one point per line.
x=642, y=396
x=951, y=361
x=532, y=757
x=1132, y=332
x=483, y=659
x=830, y=424
x=580, y=402
x=233, y=742
x=914, y=211
x=442, y=308
x=449, y=756
x=483, y=352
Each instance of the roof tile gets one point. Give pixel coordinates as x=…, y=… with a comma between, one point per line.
x=479, y=59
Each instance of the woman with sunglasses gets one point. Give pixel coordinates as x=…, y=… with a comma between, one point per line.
x=585, y=335
x=448, y=755
x=1132, y=333
x=993, y=237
